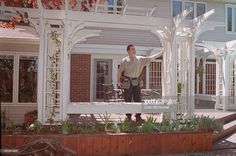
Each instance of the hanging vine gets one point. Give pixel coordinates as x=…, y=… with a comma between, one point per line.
x=54, y=68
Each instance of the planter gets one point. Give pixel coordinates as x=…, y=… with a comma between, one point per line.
x=124, y=144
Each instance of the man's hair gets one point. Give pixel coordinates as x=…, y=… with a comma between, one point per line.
x=129, y=46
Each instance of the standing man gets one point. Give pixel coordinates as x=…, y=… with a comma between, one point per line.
x=131, y=67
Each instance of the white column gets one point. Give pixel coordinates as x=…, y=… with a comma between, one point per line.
x=225, y=82
x=148, y=76
x=65, y=89
x=173, y=70
x=191, y=78
x=204, y=76
x=218, y=65
x=41, y=73
x=114, y=72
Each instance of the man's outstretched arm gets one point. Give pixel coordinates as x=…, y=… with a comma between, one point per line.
x=156, y=55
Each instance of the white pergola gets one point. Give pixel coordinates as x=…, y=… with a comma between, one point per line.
x=177, y=36
x=225, y=54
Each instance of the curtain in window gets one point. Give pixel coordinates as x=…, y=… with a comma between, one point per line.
x=28, y=79
x=6, y=78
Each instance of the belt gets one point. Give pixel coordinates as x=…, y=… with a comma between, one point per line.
x=131, y=78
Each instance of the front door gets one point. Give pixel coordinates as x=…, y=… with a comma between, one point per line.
x=103, y=75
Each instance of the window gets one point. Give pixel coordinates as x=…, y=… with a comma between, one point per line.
x=18, y=78
x=28, y=79
x=210, y=78
x=201, y=9
x=155, y=75
x=6, y=78
x=178, y=6
x=231, y=18
x=188, y=5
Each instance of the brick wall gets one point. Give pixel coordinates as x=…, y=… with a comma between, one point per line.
x=80, y=78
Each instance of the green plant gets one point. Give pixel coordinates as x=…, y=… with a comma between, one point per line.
x=164, y=126
x=148, y=126
x=65, y=127
x=176, y=125
x=75, y=129
x=108, y=125
x=126, y=126
x=89, y=128
x=180, y=86
x=210, y=124
x=36, y=126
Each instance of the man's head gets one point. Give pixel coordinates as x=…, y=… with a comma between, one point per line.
x=131, y=50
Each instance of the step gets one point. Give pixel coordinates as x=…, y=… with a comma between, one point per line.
x=229, y=130
x=228, y=118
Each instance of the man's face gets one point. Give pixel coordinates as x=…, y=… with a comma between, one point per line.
x=132, y=51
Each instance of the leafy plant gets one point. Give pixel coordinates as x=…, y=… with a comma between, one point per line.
x=126, y=126
x=180, y=86
x=89, y=128
x=176, y=125
x=148, y=126
x=36, y=126
x=164, y=126
x=108, y=125
x=65, y=127
x=210, y=124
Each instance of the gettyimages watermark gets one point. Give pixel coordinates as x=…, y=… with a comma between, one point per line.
x=158, y=105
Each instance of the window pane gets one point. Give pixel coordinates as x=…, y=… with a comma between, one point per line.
x=28, y=79
x=177, y=8
x=6, y=78
x=229, y=19
x=189, y=5
x=201, y=9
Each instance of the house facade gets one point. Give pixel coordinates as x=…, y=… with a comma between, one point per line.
x=94, y=58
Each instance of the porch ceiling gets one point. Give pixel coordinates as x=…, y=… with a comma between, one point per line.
x=115, y=36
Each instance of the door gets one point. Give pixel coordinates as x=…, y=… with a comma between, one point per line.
x=103, y=75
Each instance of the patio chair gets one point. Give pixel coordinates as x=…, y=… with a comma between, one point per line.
x=112, y=95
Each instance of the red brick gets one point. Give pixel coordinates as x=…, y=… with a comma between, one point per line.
x=80, y=77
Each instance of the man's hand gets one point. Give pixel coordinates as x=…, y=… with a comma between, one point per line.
x=119, y=85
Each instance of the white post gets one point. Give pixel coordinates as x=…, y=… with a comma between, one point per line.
x=65, y=67
x=192, y=77
x=204, y=76
x=115, y=69
x=218, y=66
x=41, y=66
x=225, y=83
x=173, y=70
x=148, y=76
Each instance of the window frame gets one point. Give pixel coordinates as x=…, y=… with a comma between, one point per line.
x=233, y=18
x=194, y=6
x=16, y=61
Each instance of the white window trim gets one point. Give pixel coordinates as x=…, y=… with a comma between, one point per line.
x=16, y=56
x=226, y=19
x=183, y=6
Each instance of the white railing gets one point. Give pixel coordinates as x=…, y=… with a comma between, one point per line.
x=124, y=9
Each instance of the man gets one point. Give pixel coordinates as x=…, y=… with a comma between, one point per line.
x=131, y=67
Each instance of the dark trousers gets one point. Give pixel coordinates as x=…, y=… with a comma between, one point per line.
x=133, y=93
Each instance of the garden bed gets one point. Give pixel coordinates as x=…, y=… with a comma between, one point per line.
x=123, y=143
